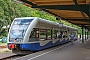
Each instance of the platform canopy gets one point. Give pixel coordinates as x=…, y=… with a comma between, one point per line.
x=73, y=11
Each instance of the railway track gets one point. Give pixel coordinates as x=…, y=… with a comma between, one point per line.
x=12, y=57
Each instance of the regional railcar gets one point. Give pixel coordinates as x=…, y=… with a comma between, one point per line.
x=34, y=34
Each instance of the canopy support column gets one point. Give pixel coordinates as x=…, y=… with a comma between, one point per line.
x=82, y=34
x=85, y=34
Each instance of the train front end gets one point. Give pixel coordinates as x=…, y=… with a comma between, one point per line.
x=17, y=34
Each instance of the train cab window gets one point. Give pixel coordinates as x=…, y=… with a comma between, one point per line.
x=19, y=28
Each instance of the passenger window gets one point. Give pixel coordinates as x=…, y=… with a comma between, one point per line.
x=65, y=34
x=54, y=35
x=34, y=36
x=43, y=34
x=49, y=34
x=34, y=33
x=59, y=34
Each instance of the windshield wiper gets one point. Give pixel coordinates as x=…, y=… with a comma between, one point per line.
x=20, y=34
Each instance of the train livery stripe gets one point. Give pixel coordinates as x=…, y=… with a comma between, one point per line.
x=36, y=46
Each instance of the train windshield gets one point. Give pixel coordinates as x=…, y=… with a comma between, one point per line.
x=19, y=28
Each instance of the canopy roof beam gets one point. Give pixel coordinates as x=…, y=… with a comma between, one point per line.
x=76, y=3
x=83, y=20
x=64, y=7
x=76, y=6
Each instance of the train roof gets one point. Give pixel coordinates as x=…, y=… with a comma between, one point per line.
x=51, y=22
x=47, y=22
x=25, y=18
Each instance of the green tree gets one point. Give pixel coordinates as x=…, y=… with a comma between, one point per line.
x=8, y=11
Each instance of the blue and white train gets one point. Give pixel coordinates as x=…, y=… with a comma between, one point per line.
x=34, y=34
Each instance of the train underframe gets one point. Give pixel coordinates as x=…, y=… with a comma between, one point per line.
x=17, y=50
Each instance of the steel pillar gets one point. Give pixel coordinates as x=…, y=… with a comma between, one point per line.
x=85, y=34
x=82, y=34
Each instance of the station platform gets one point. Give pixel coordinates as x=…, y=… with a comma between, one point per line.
x=6, y=54
x=68, y=51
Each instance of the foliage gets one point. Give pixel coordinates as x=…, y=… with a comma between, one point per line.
x=8, y=11
x=72, y=25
